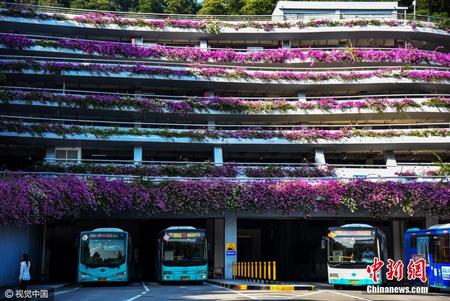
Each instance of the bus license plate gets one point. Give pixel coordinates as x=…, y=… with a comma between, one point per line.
x=354, y=281
x=184, y=277
x=102, y=279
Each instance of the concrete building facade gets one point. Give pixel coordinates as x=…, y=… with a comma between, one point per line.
x=317, y=93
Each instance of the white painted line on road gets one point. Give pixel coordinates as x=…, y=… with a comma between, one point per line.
x=307, y=294
x=347, y=295
x=141, y=294
x=135, y=297
x=67, y=291
x=236, y=292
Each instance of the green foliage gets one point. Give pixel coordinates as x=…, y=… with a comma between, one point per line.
x=435, y=8
x=444, y=168
x=94, y=4
x=180, y=6
x=221, y=7
x=213, y=7
x=258, y=7
x=150, y=6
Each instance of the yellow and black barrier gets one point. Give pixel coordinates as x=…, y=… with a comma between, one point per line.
x=256, y=271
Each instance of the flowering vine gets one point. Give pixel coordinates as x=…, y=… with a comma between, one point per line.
x=228, y=73
x=198, y=55
x=306, y=134
x=206, y=169
x=101, y=19
x=37, y=200
x=224, y=104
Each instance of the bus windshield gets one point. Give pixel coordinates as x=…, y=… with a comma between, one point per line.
x=98, y=251
x=352, y=249
x=184, y=251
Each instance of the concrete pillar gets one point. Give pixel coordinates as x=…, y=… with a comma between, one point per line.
x=137, y=41
x=286, y=44
x=219, y=246
x=431, y=220
x=390, y=159
x=218, y=155
x=137, y=155
x=229, y=242
x=204, y=44
x=319, y=156
x=398, y=229
x=209, y=93
x=301, y=96
x=50, y=155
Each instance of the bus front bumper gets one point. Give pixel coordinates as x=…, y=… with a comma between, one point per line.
x=355, y=282
x=118, y=277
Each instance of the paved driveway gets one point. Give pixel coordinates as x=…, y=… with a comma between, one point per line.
x=149, y=291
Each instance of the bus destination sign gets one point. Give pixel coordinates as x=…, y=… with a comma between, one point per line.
x=184, y=235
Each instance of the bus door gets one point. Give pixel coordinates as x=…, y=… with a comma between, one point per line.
x=440, y=260
x=423, y=252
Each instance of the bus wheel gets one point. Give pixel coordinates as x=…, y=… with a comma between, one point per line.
x=337, y=286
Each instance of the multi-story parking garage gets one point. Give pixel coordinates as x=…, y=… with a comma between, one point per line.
x=264, y=131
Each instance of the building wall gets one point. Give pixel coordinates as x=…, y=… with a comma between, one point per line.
x=14, y=241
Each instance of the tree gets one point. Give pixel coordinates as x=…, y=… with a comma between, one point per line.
x=50, y=3
x=258, y=7
x=150, y=6
x=180, y=6
x=213, y=7
x=94, y=4
x=234, y=6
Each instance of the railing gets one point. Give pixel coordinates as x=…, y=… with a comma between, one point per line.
x=244, y=50
x=69, y=161
x=132, y=178
x=256, y=271
x=172, y=97
x=184, y=170
x=200, y=65
x=230, y=18
x=189, y=65
x=186, y=126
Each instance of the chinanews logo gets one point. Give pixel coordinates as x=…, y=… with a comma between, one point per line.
x=416, y=270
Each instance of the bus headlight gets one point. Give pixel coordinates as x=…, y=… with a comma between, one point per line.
x=84, y=275
x=202, y=273
x=334, y=275
x=120, y=274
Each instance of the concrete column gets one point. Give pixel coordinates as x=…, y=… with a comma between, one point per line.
x=286, y=44
x=390, y=159
x=137, y=155
x=301, y=96
x=219, y=246
x=138, y=41
x=218, y=155
x=50, y=155
x=431, y=220
x=208, y=93
x=398, y=228
x=204, y=44
x=230, y=238
x=319, y=156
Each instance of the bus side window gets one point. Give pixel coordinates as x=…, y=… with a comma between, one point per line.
x=435, y=245
x=413, y=242
x=422, y=249
x=445, y=248
x=440, y=248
